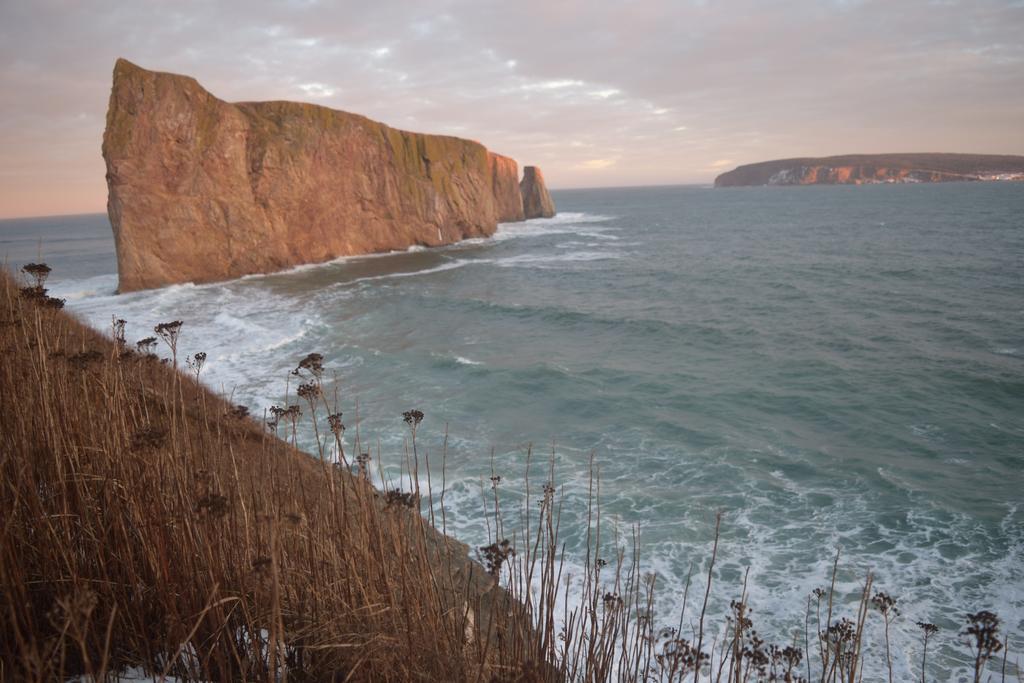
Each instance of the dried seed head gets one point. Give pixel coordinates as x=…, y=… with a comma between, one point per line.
x=885, y=603
x=612, y=601
x=38, y=272
x=983, y=633
x=313, y=363
x=117, y=326
x=168, y=329
x=309, y=391
x=146, y=345
x=397, y=497
x=195, y=363
x=336, y=425
x=496, y=554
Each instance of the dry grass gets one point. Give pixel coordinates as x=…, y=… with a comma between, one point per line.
x=145, y=522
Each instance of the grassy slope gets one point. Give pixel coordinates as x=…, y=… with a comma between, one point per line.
x=140, y=518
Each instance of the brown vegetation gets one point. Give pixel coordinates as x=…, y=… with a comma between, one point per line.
x=146, y=522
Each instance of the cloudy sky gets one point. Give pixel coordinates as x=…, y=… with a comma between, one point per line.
x=596, y=92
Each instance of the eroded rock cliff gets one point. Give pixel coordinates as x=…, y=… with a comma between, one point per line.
x=203, y=190
x=536, y=199
x=858, y=169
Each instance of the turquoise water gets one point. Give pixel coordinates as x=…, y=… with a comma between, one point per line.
x=831, y=367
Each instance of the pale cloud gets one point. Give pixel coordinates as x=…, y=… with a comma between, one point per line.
x=316, y=90
x=559, y=84
x=722, y=163
x=596, y=164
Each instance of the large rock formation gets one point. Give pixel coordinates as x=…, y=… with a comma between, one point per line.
x=203, y=190
x=536, y=200
x=858, y=169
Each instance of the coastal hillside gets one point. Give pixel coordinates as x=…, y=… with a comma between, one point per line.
x=203, y=190
x=858, y=169
x=151, y=525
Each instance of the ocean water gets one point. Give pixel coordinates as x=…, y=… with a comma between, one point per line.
x=829, y=367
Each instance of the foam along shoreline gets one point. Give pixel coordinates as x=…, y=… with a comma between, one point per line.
x=562, y=224
x=239, y=322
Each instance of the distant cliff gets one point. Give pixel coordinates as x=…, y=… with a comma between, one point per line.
x=857, y=169
x=203, y=190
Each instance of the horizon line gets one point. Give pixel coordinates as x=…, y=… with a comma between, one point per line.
x=559, y=189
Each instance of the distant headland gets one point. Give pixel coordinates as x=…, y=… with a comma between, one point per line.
x=201, y=190
x=861, y=169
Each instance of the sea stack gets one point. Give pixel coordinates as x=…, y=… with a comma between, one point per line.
x=202, y=190
x=536, y=200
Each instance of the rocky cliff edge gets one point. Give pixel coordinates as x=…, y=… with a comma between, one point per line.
x=203, y=190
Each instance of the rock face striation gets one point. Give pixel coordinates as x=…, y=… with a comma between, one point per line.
x=536, y=199
x=203, y=190
x=859, y=169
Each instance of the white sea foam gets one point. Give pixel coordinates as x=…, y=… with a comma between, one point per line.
x=523, y=260
x=242, y=330
x=574, y=244
x=74, y=290
x=452, y=357
x=597, y=235
x=340, y=260
x=787, y=560
x=450, y=265
x=561, y=224
x=528, y=260
x=566, y=217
